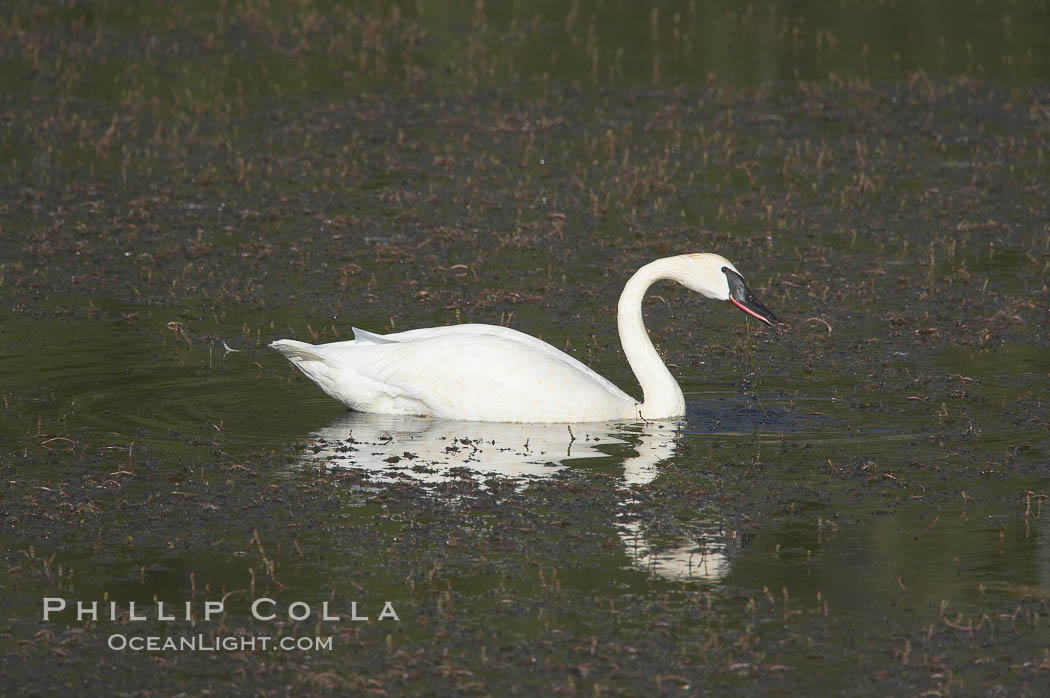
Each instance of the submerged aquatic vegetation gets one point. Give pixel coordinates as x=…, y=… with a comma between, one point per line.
x=184, y=180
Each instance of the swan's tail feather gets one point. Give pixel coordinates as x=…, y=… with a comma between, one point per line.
x=337, y=377
x=297, y=351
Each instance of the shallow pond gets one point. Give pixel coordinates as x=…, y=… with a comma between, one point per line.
x=851, y=505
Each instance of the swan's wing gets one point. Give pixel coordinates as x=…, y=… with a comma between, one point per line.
x=491, y=374
x=471, y=330
x=364, y=337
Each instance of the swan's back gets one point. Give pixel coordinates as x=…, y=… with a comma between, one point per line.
x=472, y=372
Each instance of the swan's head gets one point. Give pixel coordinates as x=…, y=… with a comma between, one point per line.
x=715, y=277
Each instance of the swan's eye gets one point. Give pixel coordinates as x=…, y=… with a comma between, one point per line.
x=725, y=270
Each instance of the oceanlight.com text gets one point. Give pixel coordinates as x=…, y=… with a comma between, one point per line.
x=207, y=643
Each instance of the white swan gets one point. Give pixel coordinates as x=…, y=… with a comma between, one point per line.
x=487, y=373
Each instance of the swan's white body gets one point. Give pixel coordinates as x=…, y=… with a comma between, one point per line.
x=467, y=372
x=496, y=374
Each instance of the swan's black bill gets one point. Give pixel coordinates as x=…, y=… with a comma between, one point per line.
x=740, y=296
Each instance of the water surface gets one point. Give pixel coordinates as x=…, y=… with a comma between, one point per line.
x=852, y=503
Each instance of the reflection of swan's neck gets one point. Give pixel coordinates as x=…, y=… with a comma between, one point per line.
x=661, y=396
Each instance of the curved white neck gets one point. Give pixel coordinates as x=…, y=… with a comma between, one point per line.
x=661, y=396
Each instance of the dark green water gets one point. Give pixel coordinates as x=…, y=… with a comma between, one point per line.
x=852, y=505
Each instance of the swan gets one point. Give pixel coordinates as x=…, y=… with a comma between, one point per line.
x=487, y=373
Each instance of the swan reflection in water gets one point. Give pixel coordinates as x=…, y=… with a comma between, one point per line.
x=430, y=451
